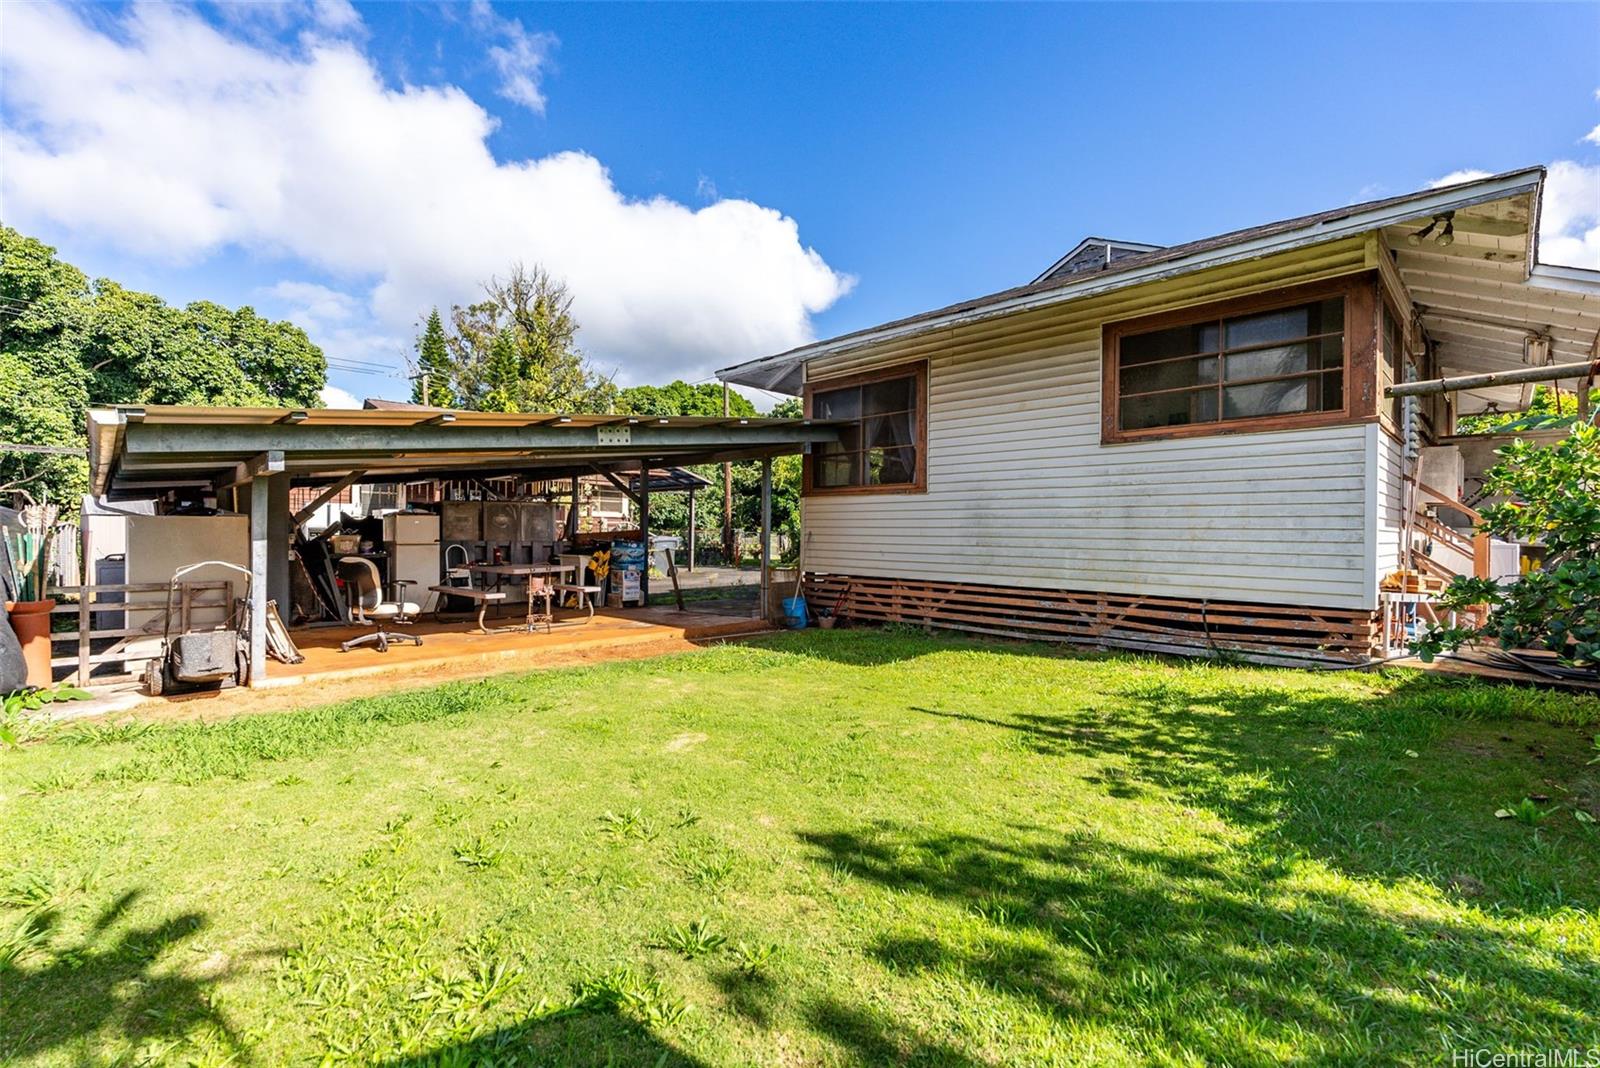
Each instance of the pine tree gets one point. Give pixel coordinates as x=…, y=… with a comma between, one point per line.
x=502, y=374
x=433, y=367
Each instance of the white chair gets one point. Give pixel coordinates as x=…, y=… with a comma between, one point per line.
x=364, y=594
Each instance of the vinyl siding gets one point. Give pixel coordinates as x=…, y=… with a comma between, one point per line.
x=1391, y=502
x=1021, y=492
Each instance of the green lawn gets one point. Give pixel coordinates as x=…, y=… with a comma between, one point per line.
x=830, y=848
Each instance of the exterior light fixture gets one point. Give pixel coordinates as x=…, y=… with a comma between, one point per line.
x=1445, y=223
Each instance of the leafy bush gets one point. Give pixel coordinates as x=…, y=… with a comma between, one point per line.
x=1550, y=494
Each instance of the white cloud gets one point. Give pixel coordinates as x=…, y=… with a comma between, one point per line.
x=520, y=60
x=1569, y=222
x=315, y=304
x=334, y=397
x=1457, y=177
x=175, y=140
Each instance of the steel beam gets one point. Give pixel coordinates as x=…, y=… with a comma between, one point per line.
x=766, y=538
x=260, y=543
x=199, y=440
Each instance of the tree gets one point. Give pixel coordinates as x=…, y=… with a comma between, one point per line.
x=535, y=311
x=1549, y=409
x=680, y=398
x=502, y=373
x=433, y=366
x=70, y=344
x=1552, y=495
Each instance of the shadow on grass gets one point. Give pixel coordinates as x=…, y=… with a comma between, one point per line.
x=597, y=1037
x=1172, y=951
x=54, y=996
x=1398, y=785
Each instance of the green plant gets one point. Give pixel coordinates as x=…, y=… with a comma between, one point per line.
x=1526, y=811
x=16, y=725
x=753, y=958
x=1550, y=494
x=625, y=990
x=694, y=939
x=633, y=824
x=478, y=853
x=107, y=733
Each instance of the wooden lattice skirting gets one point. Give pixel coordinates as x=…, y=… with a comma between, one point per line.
x=1271, y=633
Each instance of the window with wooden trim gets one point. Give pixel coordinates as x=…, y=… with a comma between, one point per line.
x=1392, y=367
x=880, y=448
x=1237, y=365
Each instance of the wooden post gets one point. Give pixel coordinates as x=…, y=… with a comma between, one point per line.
x=766, y=536
x=572, y=520
x=260, y=553
x=730, y=551
x=86, y=584
x=692, y=535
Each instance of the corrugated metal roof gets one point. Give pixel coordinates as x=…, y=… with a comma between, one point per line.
x=135, y=450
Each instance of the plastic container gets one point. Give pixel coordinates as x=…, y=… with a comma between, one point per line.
x=794, y=613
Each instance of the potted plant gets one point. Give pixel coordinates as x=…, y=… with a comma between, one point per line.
x=27, y=559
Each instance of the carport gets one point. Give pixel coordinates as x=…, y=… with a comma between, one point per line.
x=249, y=458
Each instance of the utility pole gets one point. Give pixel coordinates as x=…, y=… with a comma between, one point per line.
x=728, y=547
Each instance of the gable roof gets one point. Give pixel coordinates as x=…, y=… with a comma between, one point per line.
x=784, y=372
x=1094, y=253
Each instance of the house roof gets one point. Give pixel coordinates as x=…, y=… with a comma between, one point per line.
x=1485, y=263
x=1108, y=251
x=135, y=452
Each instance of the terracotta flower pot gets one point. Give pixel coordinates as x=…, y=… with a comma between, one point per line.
x=31, y=621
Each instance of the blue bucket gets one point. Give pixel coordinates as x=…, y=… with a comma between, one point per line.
x=794, y=613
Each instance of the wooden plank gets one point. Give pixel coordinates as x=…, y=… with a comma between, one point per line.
x=1171, y=624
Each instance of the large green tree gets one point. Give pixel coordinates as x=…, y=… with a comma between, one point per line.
x=435, y=372
x=680, y=398
x=544, y=371
x=69, y=344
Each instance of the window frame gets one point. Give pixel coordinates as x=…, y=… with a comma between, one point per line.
x=918, y=373
x=1360, y=356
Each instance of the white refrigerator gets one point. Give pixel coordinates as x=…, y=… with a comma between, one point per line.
x=412, y=541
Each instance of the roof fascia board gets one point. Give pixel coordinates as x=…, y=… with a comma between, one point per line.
x=1583, y=280
x=1428, y=203
x=171, y=440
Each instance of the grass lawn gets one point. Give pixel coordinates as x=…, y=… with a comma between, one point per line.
x=829, y=848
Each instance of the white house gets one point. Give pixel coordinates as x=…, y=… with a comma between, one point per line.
x=1189, y=447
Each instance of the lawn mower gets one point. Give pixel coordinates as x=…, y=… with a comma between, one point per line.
x=200, y=660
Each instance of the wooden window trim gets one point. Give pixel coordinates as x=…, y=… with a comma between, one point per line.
x=1362, y=325
x=918, y=371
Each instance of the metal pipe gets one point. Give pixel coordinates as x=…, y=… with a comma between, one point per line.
x=1547, y=373
x=766, y=537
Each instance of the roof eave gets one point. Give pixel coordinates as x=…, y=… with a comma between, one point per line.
x=760, y=373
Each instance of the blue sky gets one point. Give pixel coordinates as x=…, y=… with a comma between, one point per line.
x=738, y=179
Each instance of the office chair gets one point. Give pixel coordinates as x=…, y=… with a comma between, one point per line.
x=366, y=606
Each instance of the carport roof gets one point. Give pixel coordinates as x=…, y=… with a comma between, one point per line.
x=138, y=452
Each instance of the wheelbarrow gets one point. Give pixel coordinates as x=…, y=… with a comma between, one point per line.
x=199, y=660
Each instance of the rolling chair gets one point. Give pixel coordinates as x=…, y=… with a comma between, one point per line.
x=364, y=592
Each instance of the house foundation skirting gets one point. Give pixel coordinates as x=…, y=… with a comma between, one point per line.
x=1183, y=626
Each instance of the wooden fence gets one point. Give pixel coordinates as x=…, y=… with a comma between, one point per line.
x=144, y=617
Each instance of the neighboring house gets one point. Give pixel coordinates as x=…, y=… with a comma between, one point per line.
x=1180, y=448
